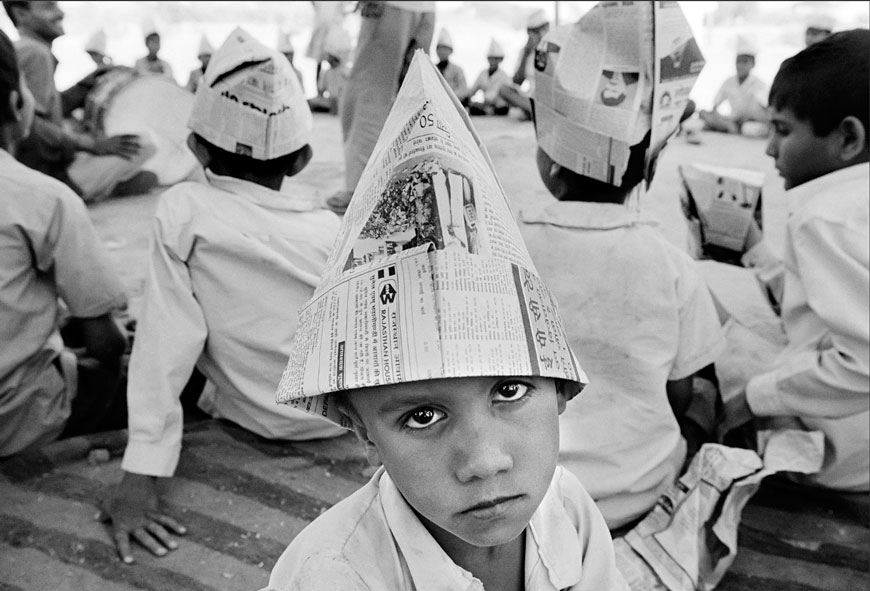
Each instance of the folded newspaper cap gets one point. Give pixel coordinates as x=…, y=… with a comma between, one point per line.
x=96, y=43
x=284, y=44
x=149, y=27
x=746, y=46
x=338, y=43
x=429, y=277
x=821, y=21
x=602, y=84
x=250, y=101
x=495, y=49
x=537, y=19
x=444, y=39
x=205, y=48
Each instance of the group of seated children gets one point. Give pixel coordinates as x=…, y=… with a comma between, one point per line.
x=469, y=493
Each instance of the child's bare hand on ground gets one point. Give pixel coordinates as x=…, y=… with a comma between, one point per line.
x=134, y=511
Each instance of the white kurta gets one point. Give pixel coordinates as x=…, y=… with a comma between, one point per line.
x=231, y=264
x=823, y=375
x=637, y=315
x=374, y=540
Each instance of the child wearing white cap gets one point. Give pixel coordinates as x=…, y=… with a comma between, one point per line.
x=489, y=82
x=452, y=73
x=152, y=63
x=232, y=259
x=285, y=46
x=636, y=311
x=819, y=26
x=331, y=82
x=745, y=93
x=522, y=83
x=95, y=47
x=447, y=358
x=204, y=54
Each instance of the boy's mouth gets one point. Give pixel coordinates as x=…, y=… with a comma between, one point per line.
x=490, y=507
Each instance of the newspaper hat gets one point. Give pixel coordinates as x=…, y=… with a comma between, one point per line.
x=96, y=43
x=284, y=45
x=444, y=39
x=495, y=49
x=338, y=43
x=537, y=18
x=746, y=46
x=599, y=90
x=205, y=48
x=149, y=27
x=429, y=277
x=250, y=101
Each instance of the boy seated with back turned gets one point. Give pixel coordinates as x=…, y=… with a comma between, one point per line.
x=464, y=423
x=821, y=380
x=232, y=260
x=637, y=312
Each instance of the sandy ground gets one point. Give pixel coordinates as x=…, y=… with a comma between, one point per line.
x=124, y=224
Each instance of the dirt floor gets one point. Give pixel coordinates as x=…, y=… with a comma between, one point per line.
x=244, y=498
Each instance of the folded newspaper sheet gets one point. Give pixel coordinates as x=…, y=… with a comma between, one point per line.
x=429, y=277
x=724, y=201
x=624, y=69
x=250, y=101
x=689, y=539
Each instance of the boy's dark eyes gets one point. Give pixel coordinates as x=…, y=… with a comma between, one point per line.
x=510, y=392
x=421, y=418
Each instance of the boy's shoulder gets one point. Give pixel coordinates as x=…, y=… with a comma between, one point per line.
x=841, y=197
x=28, y=190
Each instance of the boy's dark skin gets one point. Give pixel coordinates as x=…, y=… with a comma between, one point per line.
x=134, y=509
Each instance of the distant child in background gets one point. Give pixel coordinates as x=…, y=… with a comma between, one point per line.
x=522, y=84
x=467, y=494
x=95, y=47
x=232, y=259
x=331, y=82
x=52, y=264
x=203, y=54
x=452, y=73
x=821, y=381
x=636, y=311
x=489, y=82
x=152, y=63
x=285, y=46
x=819, y=27
x=745, y=94
x=74, y=97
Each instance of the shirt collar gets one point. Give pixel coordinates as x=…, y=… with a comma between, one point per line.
x=586, y=215
x=258, y=193
x=550, y=539
x=802, y=195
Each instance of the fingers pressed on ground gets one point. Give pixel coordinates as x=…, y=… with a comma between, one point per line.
x=171, y=523
x=122, y=544
x=144, y=538
x=159, y=532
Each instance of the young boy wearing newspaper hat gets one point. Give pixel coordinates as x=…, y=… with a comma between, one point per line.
x=635, y=309
x=232, y=260
x=432, y=337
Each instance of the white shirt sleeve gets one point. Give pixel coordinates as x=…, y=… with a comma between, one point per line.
x=832, y=381
x=701, y=338
x=170, y=336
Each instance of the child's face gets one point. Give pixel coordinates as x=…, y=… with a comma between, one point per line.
x=473, y=456
x=152, y=43
x=494, y=62
x=443, y=52
x=744, y=65
x=799, y=154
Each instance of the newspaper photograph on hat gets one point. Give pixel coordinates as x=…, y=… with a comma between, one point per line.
x=600, y=88
x=429, y=277
x=247, y=82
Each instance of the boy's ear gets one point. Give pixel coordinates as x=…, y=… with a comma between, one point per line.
x=200, y=151
x=565, y=391
x=852, y=138
x=371, y=449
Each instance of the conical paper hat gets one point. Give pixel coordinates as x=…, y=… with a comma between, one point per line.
x=96, y=43
x=284, y=45
x=429, y=277
x=746, y=46
x=537, y=19
x=250, y=102
x=588, y=115
x=338, y=43
x=445, y=39
x=495, y=50
x=149, y=27
x=205, y=48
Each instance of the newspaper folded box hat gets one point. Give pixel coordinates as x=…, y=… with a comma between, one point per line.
x=338, y=43
x=429, y=277
x=746, y=46
x=250, y=101
x=536, y=19
x=444, y=39
x=96, y=43
x=821, y=21
x=599, y=85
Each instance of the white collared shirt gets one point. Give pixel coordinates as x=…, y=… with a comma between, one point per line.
x=231, y=264
x=637, y=315
x=373, y=540
x=745, y=99
x=824, y=371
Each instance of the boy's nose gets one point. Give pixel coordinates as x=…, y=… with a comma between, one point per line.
x=480, y=455
x=771, y=146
